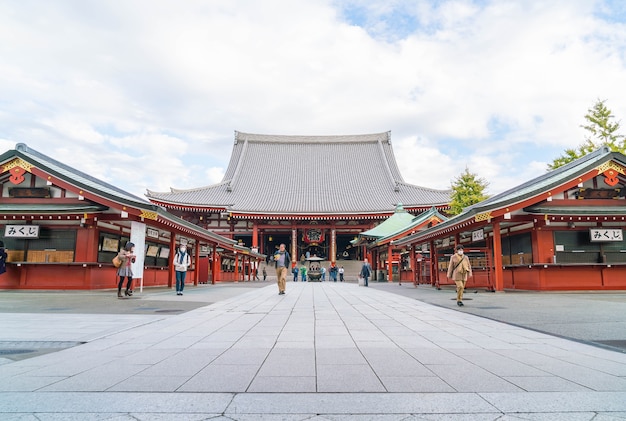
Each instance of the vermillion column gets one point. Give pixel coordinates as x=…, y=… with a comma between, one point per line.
x=497, y=257
x=255, y=234
x=294, y=245
x=389, y=263
x=170, y=272
x=333, y=245
x=434, y=267
x=413, y=267
x=196, y=259
x=217, y=266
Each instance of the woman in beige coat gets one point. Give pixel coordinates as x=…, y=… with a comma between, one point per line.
x=459, y=270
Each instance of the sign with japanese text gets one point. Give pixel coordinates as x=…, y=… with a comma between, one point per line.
x=152, y=233
x=22, y=231
x=606, y=234
x=478, y=235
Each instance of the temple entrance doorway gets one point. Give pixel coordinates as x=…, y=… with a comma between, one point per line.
x=345, y=250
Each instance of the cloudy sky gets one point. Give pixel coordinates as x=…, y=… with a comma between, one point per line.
x=147, y=94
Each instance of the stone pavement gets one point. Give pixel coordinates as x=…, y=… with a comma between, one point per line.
x=323, y=351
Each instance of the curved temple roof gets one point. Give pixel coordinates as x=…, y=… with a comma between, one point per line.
x=308, y=175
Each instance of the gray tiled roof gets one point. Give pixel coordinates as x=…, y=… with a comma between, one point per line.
x=79, y=178
x=102, y=189
x=309, y=175
x=529, y=189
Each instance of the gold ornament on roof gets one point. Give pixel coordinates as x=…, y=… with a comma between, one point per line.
x=148, y=215
x=610, y=170
x=482, y=217
x=17, y=167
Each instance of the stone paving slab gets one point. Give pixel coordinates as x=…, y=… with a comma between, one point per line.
x=322, y=351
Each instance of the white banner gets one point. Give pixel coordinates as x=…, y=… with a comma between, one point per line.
x=22, y=231
x=606, y=234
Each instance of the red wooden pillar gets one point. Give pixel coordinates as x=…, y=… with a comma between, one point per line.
x=497, y=257
x=413, y=267
x=196, y=263
x=236, y=267
x=170, y=271
x=217, y=267
x=333, y=244
x=294, y=247
x=434, y=265
x=86, y=244
x=389, y=262
x=255, y=234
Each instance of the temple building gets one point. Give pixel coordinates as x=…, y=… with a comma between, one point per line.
x=314, y=193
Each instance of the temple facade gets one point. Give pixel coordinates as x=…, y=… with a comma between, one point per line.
x=316, y=194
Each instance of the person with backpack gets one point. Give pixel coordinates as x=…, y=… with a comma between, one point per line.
x=459, y=270
x=182, y=261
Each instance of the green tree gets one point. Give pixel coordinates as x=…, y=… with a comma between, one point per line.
x=601, y=131
x=467, y=189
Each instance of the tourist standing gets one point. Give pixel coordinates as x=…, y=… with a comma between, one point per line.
x=341, y=270
x=127, y=256
x=295, y=271
x=182, y=261
x=303, y=273
x=323, y=272
x=281, y=260
x=264, y=274
x=333, y=272
x=459, y=269
x=365, y=272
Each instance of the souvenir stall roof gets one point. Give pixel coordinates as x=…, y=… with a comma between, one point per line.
x=418, y=220
x=532, y=188
x=82, y=181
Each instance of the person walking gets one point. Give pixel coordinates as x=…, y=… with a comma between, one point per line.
x=127, y=256
x=323, y=272
x=295, y=271
x=459, y=269
x=3, y=258
x=303, y=273
x=182, y=261
x=341, y=270
x=281, y=260
x=264, y=274
x=365, y=272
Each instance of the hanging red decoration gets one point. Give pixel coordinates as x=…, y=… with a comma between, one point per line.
x=611, y=177
x=17, y=175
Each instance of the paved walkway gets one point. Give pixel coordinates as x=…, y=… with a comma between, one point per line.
x=323, y=351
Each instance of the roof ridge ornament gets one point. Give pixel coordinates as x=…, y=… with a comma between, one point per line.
x=242, y=156
x=22, y=147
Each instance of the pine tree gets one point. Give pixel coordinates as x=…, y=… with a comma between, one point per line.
x=467, y=189
x=601, y=131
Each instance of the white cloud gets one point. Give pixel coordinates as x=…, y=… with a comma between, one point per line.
x=155, y=89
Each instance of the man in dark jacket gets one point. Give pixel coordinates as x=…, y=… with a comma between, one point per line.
x=282, y=260
x=365, y=272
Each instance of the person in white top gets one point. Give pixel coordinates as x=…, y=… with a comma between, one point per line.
x=182, y=261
